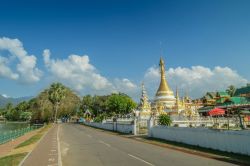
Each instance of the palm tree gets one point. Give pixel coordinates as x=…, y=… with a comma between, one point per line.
x=56, y=94
x=231, y=90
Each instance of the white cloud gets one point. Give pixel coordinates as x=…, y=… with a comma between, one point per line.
x=5, y=96
x=196, y=81
x=78, y=73
x=126, y=86
x=5, y=71
x=124, y=83
x=26, y=70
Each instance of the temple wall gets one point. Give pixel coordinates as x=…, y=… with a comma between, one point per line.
x=119, y=127
x=229, y=141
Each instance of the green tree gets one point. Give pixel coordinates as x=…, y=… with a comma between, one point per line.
x=25, y=116
x=56, y=94
x=69, y=105
x=43, y=110
x=96, y=105
x=9, y=106
x=120, y=104
x=86, y=103
x=13, y=115
x=23, y=106
x=165, y=120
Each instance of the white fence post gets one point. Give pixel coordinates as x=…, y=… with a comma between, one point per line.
x=134, y=130
x=150, y=123
x=115, y=126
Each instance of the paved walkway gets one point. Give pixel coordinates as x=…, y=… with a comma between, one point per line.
x=46, y=152
x=8, y=147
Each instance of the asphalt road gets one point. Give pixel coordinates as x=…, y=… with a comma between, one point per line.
x=84, y=146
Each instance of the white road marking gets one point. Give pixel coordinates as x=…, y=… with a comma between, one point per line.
x=89, y=136
x=105, y=143
x=52, y=150
x=140, y=159
x=51, y=159
x=52, y=154
x=52, y=164
x=58, y=148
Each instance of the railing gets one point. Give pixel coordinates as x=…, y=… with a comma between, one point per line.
x=120, y=120
x=11, y=135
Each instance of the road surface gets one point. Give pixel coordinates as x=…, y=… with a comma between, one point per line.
x=85, y=146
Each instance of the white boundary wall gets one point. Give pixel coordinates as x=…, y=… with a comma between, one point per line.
x=123, y=128
x=106, y=126
x=229, y=141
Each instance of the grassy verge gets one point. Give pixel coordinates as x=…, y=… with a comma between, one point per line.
x=12, y=160
x=34, y=138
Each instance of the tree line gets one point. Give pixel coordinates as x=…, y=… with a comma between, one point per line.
x=107, y=106
x=59, y=101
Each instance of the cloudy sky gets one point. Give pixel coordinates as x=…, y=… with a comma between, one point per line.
x=99, y=47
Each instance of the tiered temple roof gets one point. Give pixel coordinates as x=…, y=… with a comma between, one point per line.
x=144, y=103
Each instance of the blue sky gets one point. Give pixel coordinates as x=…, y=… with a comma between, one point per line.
x=122, y=41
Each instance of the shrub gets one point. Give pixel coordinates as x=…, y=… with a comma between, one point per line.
x=165, y=120
x=225, y=125
x=176, y=125
x=99, y=118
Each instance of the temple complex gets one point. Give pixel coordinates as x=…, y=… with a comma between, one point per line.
x=165, y=100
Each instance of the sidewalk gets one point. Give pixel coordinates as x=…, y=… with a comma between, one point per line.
x=8, y=147
x=46, y=152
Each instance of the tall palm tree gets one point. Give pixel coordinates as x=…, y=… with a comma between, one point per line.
x=56, y=93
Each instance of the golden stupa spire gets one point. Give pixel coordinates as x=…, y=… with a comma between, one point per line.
x=163, y=84
x=177, y=93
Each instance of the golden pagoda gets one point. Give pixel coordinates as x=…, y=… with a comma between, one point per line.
x=164, y=98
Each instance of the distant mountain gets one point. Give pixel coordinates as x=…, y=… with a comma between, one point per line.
x=4, y=100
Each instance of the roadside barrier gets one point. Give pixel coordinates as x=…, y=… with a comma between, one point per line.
x=11, y=135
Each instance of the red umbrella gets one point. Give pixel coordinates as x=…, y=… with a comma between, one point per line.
x=216, y=111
